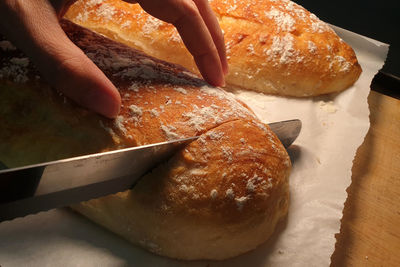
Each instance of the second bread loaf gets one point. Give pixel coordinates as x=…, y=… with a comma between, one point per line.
x=273, y=46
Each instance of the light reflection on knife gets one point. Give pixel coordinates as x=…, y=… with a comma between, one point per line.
x=44, y=186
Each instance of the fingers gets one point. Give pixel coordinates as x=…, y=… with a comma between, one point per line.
x=213, y=26
x=199, y=42
x=200, y=32
x=37, y=32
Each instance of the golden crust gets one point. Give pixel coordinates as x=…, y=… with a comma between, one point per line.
x=220, y=196
x=275, y=47
x=194, y=207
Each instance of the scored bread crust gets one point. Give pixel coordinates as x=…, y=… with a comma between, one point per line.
x=215, y=199
x=273, y=46
x=218, y=197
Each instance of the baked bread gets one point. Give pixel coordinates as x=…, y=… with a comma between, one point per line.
x=273, y=46
x=218, y=197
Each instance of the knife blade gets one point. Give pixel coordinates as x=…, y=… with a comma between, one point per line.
x=40, y=187
x=286, y=131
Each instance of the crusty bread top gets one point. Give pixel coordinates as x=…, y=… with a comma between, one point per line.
x=161, y=101
x=229, y=175
x=273, y=46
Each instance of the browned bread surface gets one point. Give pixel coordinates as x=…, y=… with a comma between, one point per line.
x=220, y=196
x=273, y=46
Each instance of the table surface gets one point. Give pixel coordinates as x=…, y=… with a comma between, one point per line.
x=370, y=228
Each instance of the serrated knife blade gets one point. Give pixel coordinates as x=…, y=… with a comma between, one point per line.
x=40, y=187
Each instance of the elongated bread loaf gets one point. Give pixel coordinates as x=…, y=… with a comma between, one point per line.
x=273, y=46
x=219, y=196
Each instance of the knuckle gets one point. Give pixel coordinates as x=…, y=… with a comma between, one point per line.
x=190, y=8
x=187, y=12
x=219, y=36
x=186, y=8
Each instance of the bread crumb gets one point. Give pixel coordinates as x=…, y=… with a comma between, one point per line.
x=230, y=194
x=169, y=132
x=343, y=64
x=16, y=70
x=228, y=153
x=214, y=194
x=151, y=25
x=250, y=49
x=328, y=107
x=126, y=24
x=119, y=123
x=215, y=136
x=135, y=111
x=154, y=112
x=312, y=47
x=7, y=46
x=106, y=11
x=283, y=20
x=250, y=186
x=240, y=202
x=150, y=245
x=134, y=87
x=180, y=90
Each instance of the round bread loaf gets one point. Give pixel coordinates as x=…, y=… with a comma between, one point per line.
x=273, y=46
x=218, y=197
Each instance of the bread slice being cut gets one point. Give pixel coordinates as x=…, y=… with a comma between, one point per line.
x=218, y=197
x=273, y=46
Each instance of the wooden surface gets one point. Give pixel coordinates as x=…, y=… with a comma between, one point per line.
x=370, y=229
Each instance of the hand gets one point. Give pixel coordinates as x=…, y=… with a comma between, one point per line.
x=200, y=32
x=34, y=27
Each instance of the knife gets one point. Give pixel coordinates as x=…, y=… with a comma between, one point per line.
x=40, y=187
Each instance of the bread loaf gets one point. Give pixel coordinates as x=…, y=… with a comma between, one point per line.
x=273, y=46
x=218, y=197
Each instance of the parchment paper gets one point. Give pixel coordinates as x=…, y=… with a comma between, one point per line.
x=334, y=127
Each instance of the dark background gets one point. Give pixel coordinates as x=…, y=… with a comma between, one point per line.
x=377, y=19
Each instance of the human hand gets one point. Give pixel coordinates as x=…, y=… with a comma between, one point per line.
x=200, y=32
x=34, y=27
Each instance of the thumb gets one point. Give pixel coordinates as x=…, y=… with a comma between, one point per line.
x=38, y=33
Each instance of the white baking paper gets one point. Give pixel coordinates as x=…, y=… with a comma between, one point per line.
x=334, y=127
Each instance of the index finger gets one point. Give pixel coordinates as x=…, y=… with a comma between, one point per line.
x=186, y=17
x=216, y=33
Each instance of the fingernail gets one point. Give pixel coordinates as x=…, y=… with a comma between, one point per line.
x=223, y=83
